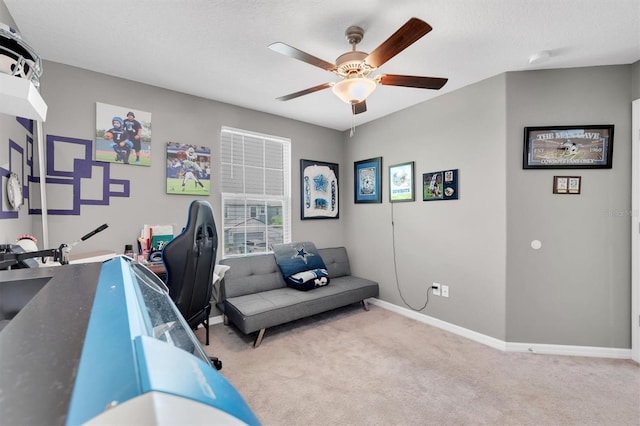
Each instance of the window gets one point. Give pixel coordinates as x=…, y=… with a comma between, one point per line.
x=256, y=191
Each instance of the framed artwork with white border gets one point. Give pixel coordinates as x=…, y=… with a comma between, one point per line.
x=402, y=182
x=123, y=135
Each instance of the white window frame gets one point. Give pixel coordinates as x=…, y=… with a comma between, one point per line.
x=244, y=197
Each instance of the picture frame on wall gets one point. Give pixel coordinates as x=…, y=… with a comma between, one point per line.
x=567, y=184
x=367, y=180
x=568, y=147
x=123, y=135
x=188, y=169
x=440, y=186
x=402, y=182
x=319, y=190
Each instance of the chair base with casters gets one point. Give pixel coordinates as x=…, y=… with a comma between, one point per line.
x=217, y=364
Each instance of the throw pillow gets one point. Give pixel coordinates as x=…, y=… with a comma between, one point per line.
x=301, y=265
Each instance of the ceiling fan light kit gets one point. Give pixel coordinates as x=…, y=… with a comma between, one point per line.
x=354, y=67
x=354, y=90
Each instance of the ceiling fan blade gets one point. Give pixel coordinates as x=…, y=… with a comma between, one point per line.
x=408, y=34
x=298, y=54
x=305, y=92
x=359, y=107
x=412, y=81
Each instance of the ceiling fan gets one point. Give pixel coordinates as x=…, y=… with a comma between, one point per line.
x=355, y=67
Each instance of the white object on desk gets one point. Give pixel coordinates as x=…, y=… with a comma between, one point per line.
x=90, y=257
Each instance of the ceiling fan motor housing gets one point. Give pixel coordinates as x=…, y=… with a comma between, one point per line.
x=351, y=63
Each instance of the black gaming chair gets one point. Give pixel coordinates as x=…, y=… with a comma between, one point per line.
x=189, y=260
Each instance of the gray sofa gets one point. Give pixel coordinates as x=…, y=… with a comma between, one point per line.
x=253, y=294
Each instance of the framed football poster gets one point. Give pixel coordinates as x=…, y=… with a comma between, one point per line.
x=367, y=179
x=401, y=182
x=439, y=186
x=568, y=147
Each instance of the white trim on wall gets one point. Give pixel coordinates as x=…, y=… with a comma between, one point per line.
x=635, y=231
x=534, y=348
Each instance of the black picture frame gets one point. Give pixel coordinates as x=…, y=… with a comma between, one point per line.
x=367, y=181
x=402, y=182
x=568, y=147
x=440, y=186
x=319, y=190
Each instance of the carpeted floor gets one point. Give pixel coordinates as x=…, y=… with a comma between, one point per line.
x=352, y=367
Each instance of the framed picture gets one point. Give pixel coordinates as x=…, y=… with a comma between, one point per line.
x=568, y=147
x=123, y=135
x=188, y=169
x=367, y=179
x=401, y=182
x=442, y=185
x=319, y=190
x=566, y=184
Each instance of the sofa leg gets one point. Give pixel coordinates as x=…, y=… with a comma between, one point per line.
x=259, y=337
x=365, y=305
x=225, y=320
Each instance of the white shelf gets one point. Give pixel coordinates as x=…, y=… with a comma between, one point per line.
x=20, y=97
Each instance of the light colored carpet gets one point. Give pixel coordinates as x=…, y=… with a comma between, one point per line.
x=352, y=367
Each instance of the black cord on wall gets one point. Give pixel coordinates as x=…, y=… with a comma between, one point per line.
x=395, y=266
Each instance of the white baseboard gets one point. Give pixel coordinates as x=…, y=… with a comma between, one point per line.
x=534, y=348
x=591, y=351
x=215, y=320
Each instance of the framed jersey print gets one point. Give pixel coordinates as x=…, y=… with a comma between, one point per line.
x=319, y=190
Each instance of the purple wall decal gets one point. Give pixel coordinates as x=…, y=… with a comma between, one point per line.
x=83, y=168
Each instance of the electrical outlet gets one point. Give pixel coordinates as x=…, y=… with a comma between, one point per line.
x=445, y=291
x=436, y=289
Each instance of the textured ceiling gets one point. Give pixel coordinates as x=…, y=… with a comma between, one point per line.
x=217, y=49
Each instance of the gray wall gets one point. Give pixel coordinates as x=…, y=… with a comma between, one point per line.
x=577, y=288
x=71, y=95
x=10, y=129
x=5, y=16
x=459, y=243
x=23, y=224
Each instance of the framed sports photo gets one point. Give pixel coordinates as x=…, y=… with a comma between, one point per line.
x=439, y=186
x=123, y=135
x=188, y=169
x=319, y=190
x=401, y=182
x=367, y=180
x=568, y=147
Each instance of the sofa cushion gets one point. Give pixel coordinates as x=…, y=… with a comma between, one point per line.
x=250, y=274
x=301, y=265
x=266, y=309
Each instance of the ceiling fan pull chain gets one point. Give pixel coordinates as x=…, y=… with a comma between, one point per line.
x=353, y=125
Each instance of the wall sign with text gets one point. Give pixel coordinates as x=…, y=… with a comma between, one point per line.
x=568, y=147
